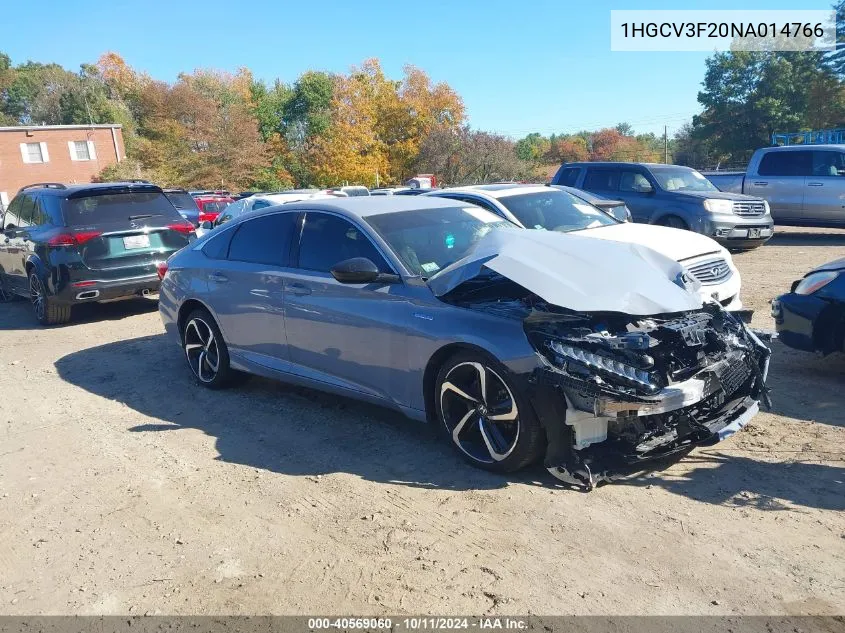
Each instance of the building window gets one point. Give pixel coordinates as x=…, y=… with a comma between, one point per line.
x=34, y=153
x=80, y=148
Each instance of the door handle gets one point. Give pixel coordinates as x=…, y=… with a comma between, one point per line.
x=815, y=184
x=298, y=289
x=218, y=277
x=761, y=184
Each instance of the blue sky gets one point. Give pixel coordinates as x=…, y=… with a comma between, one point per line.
x=520, y=66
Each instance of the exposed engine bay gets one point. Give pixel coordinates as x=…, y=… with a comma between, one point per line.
x=629, y=388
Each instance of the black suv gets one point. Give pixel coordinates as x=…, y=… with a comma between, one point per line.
x=68, y=244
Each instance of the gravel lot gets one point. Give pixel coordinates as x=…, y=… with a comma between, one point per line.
x=126, y=489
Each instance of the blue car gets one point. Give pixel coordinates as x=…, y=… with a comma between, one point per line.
x=812, y=316
x=519, y=344
x=185, y=205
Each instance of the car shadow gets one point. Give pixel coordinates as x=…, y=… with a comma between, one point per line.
x=17, y=313
x=272, y=426
x=807, y=386
x=712, y=476
x=795, y=238
x=290, y=430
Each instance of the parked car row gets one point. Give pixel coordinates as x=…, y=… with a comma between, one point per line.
x=677, y=197
x=803, y=184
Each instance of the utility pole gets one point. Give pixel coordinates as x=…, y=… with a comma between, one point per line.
x=665, y=145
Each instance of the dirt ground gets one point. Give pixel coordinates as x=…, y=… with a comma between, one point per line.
x=124, y=488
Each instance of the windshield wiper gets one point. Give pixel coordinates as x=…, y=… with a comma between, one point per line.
x=144, y=216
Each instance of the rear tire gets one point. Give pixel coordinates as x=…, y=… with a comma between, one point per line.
x=487, y=420
x=206, y=351
x=47, y=310
x=674, y=222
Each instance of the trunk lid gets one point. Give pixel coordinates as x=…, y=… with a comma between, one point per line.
x=128, y=228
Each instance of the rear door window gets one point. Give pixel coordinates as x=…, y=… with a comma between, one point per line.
x=264, y=240
x=39, y=213
x=786, y=164
x=827, y=163
x=601, y=180
x=94, y=207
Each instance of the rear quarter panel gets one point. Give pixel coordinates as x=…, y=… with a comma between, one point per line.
x=184, y=280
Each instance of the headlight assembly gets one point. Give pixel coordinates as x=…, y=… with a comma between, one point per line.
x=635, y=375
x=815, y=281
x=714, y=205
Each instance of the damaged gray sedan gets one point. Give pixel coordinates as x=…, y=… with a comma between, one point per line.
x=520, y=345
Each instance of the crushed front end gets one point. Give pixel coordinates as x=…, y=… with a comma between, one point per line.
x=615, y=390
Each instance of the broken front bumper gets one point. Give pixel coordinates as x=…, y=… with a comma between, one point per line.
x=593, y=432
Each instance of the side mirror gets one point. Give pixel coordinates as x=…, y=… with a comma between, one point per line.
x=360, y=270
x=647, y=188
x=207, y=225
x=621, y=213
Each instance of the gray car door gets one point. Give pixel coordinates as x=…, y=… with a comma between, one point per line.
x=349, y=335
x=824, y=191
x=780, y=179
x=246, y=288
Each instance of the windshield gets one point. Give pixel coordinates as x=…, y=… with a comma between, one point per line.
x=181, y=200
x=215, y=206
x=109, y=206
x=355, y=191
x=555, y=210
x=428, y=240
x=680, y=179
x=232, y=211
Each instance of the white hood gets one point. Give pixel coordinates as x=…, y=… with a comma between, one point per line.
x=575, y=272
x=675, y=243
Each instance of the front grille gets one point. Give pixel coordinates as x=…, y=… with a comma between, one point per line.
x=749, y=209
x=711, y=272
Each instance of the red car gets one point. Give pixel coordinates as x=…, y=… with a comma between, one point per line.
x=211, y=206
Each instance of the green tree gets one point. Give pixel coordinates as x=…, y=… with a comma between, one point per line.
x=748, y=96
x=836, y=59
x=533, y=148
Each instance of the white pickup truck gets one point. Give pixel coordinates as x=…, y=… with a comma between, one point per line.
x=804, y=184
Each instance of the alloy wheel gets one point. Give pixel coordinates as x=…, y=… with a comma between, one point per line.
x=36, y=295
x=202, y=350
x=480, y=412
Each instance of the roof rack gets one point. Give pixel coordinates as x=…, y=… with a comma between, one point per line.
x=810, y=137
x=44, y=185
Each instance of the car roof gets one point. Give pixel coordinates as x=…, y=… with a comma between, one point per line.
x=620, y=164
x=58, y=189
x=363, y=206
x=808, y=146
x=502, y=190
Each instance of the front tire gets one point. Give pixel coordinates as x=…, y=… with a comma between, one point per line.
x=674, y=222
x=488, y=421
x=47, y=311
x=206, y=351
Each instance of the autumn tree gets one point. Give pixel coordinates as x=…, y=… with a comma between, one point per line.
x=467, y=156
